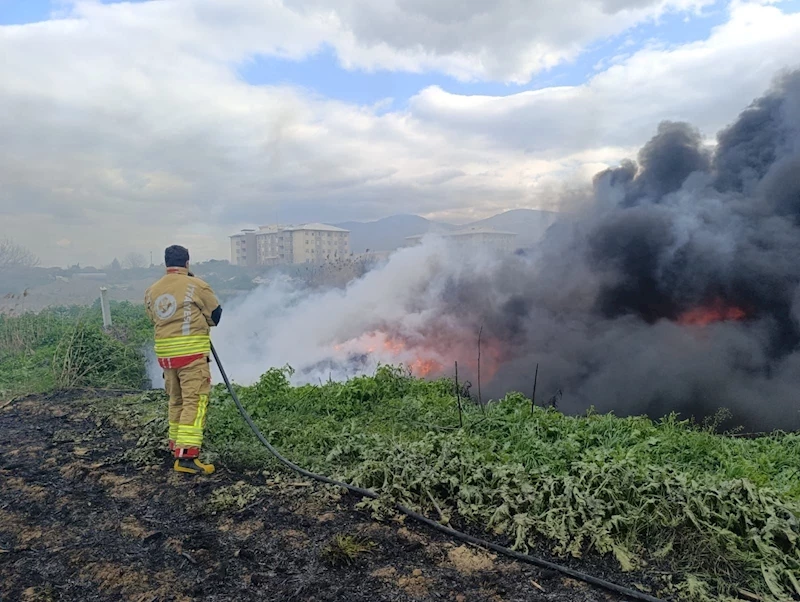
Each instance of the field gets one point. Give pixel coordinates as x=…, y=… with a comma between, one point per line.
x=63, y=348
x=667, y=506
x=86, y=514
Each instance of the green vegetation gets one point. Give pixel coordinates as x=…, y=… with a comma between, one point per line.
x=710, y=514
x=238, y=496
x=345, y=549
x=63, y=348
x=705, y=515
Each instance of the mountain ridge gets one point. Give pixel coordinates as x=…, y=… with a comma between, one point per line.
x=390, y=233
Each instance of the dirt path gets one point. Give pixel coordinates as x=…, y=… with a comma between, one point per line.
x=78, y=522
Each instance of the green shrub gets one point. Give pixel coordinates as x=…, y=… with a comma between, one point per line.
x=88, y=357
x=714, y=512
x=65, y=347
x=345, y=549
x=710, y=513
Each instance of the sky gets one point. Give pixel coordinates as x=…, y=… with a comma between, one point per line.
x=129, y=126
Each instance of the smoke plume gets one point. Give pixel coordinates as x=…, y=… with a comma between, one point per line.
x=674, y=288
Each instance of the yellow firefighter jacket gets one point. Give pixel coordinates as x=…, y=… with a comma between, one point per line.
x=183, y=308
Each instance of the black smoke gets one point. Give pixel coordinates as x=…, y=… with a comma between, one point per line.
x=686, y=226
x=606, y=305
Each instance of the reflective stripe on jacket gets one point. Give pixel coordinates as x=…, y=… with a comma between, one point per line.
x=183, y=345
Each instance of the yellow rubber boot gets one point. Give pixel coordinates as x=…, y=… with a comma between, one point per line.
x=193, y=466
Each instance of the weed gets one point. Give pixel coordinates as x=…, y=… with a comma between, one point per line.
x=67, y=348
x=238, y=496
x=720, y=511
x=345, y=549
x=150, y=445
x=87, y=357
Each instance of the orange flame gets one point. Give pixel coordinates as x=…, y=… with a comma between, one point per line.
x=419, y=365
x=425, y=367
x=421, y=362
x=394, y=346
x=718, y=311
x=429, y=357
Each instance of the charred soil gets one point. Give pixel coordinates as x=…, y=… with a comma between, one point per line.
x=78, y=522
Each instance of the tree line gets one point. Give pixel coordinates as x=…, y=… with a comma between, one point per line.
x=13, y=255
x=16, y=256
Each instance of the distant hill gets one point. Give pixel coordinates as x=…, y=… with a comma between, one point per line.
x=389, y=233
x=528, y=224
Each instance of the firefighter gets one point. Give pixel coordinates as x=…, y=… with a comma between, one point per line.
x=183, y=309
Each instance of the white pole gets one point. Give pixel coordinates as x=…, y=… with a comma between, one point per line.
x=105, y=307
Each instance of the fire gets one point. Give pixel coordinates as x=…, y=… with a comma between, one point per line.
x=718, y=311
x=425, y=367
x=422, y=361
x=394, y=346
x=418, y=364
x=430, y=355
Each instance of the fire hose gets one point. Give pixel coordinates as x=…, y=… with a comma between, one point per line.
x=608, y=585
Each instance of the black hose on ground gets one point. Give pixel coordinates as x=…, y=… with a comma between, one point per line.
x=608, y=585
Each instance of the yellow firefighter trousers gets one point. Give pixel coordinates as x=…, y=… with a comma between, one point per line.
x=188, y=390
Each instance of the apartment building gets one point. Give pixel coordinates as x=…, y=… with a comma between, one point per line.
x=243, y=248
x=279, y=245
x=476, y=239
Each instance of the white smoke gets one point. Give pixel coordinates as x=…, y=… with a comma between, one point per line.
x=318, y=332
x=606, y=305
x=434, y=297
x=154, y=371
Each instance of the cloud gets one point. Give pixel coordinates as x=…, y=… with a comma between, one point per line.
x=507, y=40
x=126, y=127
x=706, y=83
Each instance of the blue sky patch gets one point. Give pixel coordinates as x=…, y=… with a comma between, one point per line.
x=19, y=12
x=323, y=75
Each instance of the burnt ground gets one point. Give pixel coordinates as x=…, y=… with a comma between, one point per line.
x=79, y=521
